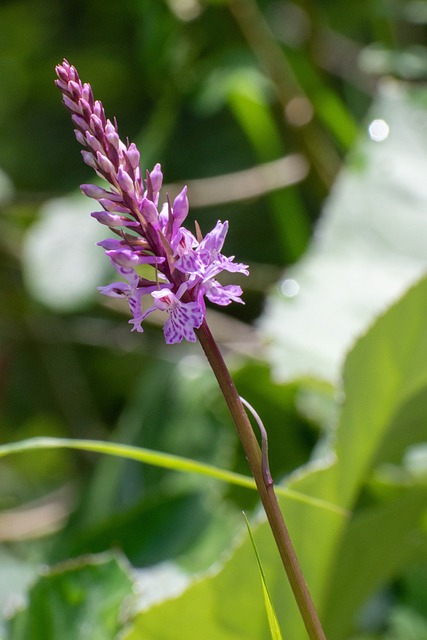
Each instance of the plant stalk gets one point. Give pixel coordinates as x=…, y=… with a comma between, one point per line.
x=265, y=489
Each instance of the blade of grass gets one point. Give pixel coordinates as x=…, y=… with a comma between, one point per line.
x=159, y=459
x=269, y=607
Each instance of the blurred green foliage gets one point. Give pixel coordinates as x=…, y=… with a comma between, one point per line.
x=209, y=89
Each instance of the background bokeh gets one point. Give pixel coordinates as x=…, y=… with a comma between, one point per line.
x=256, y=105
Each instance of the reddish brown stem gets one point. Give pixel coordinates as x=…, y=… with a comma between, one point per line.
x=265, y=490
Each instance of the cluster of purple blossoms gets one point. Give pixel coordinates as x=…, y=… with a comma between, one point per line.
x=185, y=266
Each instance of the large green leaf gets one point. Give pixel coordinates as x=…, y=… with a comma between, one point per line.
x=228, y=605
x=369, y=246
x=385, y=381
x=385, y=374
x=80, y=599
x=377, y=544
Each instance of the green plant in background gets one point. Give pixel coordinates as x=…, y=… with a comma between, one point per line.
x=334, y=365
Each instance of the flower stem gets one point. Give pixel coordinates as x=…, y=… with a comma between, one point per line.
x=265, y=489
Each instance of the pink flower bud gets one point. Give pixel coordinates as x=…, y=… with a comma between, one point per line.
x=149, y=211
x=72, y=105
x=125, y=181
x=93, y=191
x=156, y=177
x=80, y=137
x=113, y=220
x=80, y=123
x=89, y=159
x=105, y=164
x=132, y=154
x=180, y=209
x=93, y=143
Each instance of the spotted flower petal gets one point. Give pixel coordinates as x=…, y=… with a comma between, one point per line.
x=222, y=294
x=184, y=317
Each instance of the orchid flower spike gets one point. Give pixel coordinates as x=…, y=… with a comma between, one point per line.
x=185, y=268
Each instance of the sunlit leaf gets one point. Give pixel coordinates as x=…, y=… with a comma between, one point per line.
x=79, y=599
x=158, y=459
x=369, y=246
x=385, y=373
x=228, y=605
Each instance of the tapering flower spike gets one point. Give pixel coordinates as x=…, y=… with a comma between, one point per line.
x=185, y=268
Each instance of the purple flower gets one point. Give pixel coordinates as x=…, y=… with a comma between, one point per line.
x=133, y=291
x=185, y=268
x=220, y=294
x=184, y=317
x=204, y=261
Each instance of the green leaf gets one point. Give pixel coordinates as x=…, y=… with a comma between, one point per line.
x=228, y=605
x=385, y=381
x=328, y=106
x=168, y=526
x=385, y=374
x=249, y=101
x=269, y=607
x=79, y=599
x=155, y=458
x=16, y=577
x=369, y=246
x=378, y=543
x=407, y=624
